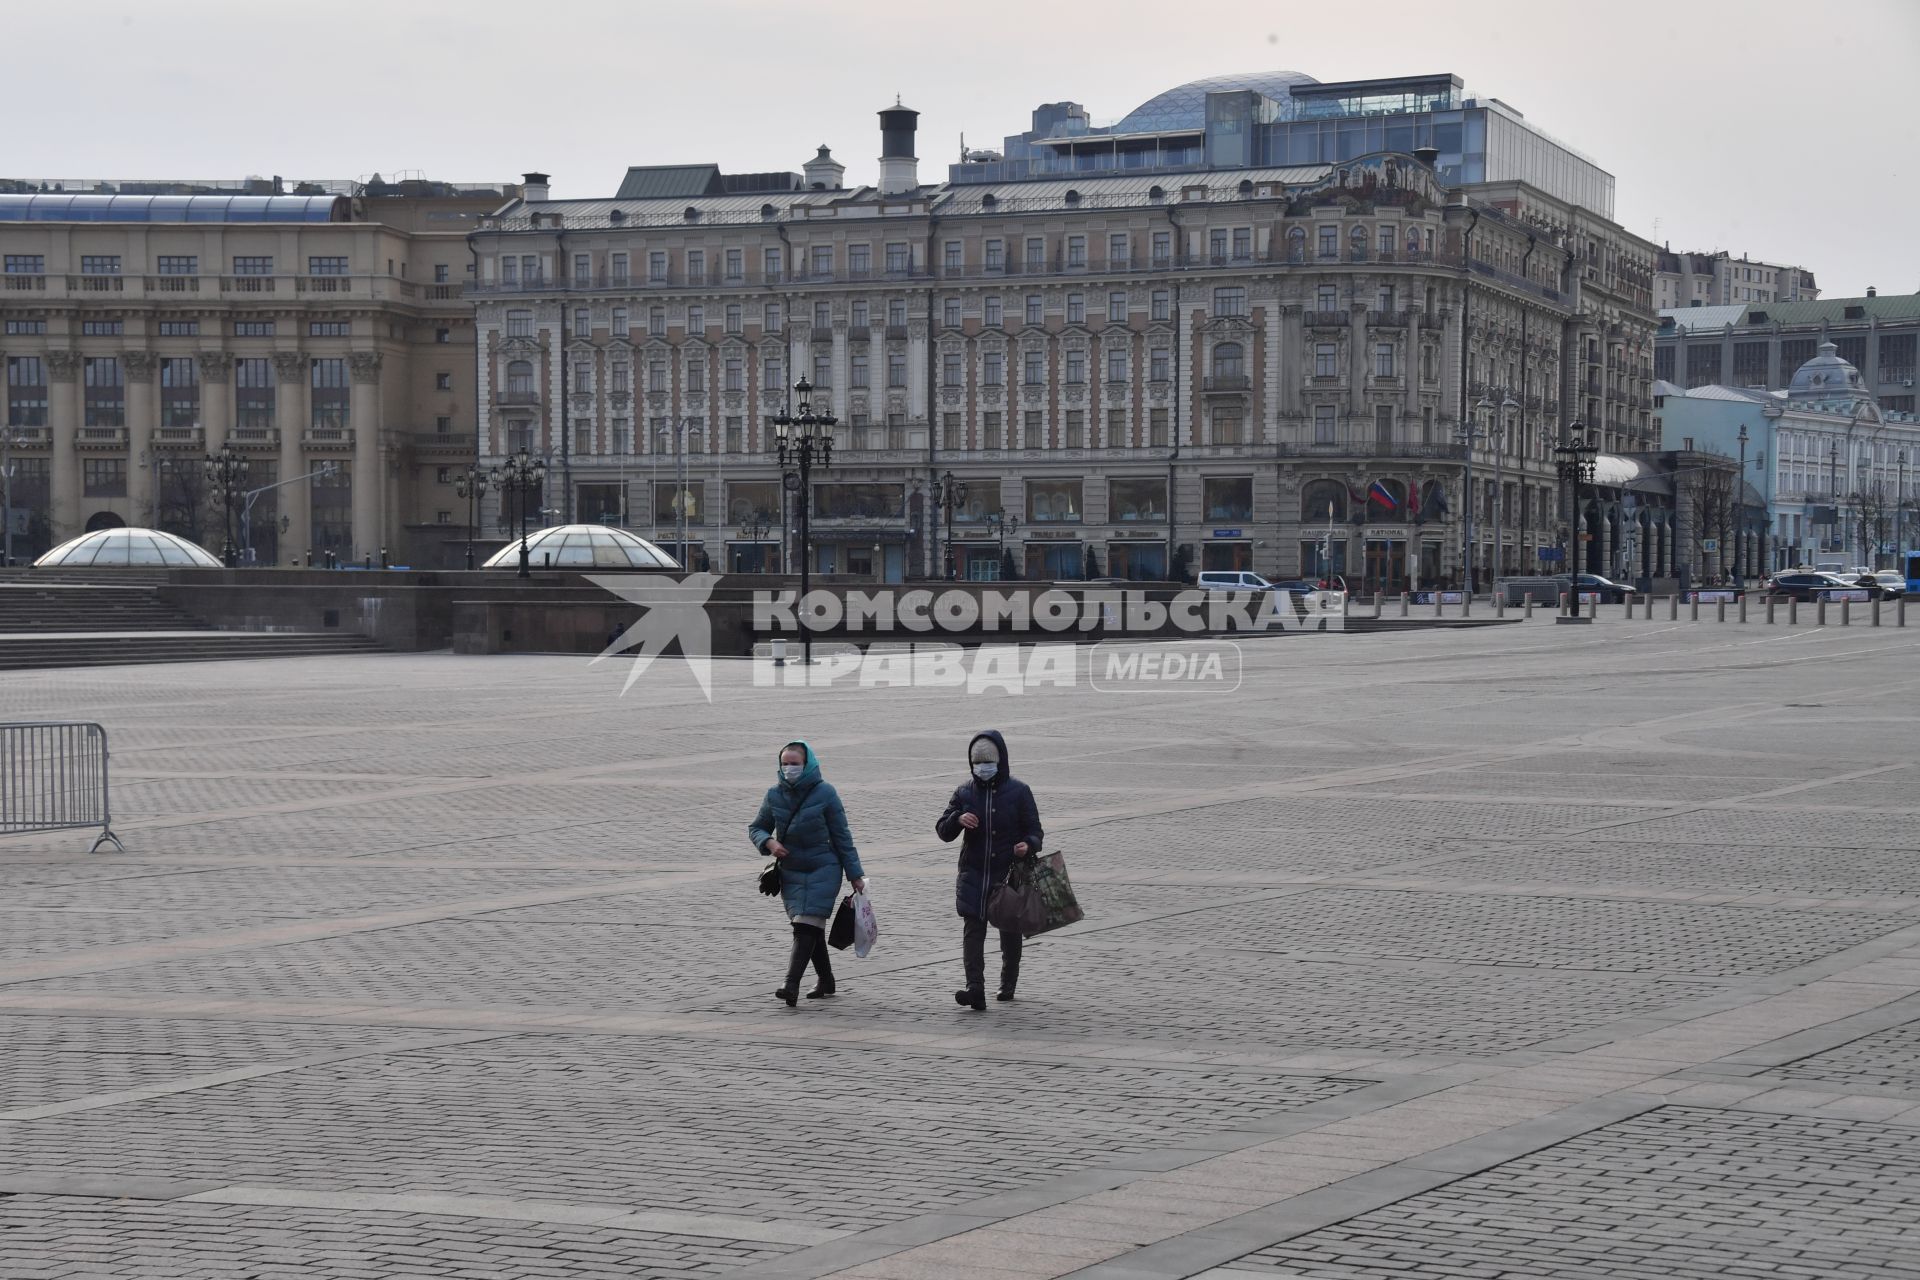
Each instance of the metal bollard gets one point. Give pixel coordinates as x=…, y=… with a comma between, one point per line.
x=1560, y=601
x=1647, y=612
x=1673, y=607
x=1769, y=610
x=1720, y=611
x=1626, y=608
x=1743, y=606
x=1693, y=608
x=1378, y=599
x=1793, y=612
x=1820, y=612
x=1900, y=612
x=1846, y=612
x=1876, y=612
x=1466, y=604
x=1500, y=604
x=1405, y=603
x=1529, y=604
x=779, y=647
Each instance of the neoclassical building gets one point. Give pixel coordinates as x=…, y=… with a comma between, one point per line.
x=1137, y=362
x=322, y=332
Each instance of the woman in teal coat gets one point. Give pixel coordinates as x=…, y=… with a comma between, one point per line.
x=803, y=825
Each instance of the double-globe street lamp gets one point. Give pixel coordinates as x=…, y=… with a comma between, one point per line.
x=471, y=484
x=523, y=474
x=1575, y=462
x=802, y=438
x=948, y=494
x=226, y=474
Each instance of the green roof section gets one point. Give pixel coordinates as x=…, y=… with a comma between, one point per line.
x=1887, y=306
x=645, y=182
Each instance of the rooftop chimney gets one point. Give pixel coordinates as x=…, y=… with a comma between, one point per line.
x=899, y=167
x=533, y=187
x=823, y=172
x=1428, y=156
x=1872, y=292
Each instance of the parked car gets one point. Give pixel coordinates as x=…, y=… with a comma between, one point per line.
x=1892, y=581
x=1609, y=591
x=1869, y=581
x=1806, y=584
x=1219, y=580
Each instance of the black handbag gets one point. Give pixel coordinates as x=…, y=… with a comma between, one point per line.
x=840, y=935
x=770, y=879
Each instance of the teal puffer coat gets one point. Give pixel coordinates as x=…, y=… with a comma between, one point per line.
x=812, y=823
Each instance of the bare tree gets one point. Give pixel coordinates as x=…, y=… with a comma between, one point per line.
x=183, y=499
x=1873, y=505
x=1711, y=492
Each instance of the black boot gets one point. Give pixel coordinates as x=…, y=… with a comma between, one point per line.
x=822, y=967
x=972, y=998
x=797, y=961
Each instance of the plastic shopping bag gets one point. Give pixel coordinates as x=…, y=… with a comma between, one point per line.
x=866, y=926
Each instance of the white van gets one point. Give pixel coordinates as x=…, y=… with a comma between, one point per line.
x=1222, y=581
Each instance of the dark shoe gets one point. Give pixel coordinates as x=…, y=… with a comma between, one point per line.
x=789, y=995
x=975, y=1000
x=822, y=992
x=1003, y=994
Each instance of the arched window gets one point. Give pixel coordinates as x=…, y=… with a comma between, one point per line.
x=1323, y=500
x=1229, y=360
x=1413, y=239
x=1359, y=238
x=1297, y=244
x=1386, y=498
x=520, y=377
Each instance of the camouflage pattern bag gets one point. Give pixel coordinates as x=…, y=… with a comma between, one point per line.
x=1048, y=878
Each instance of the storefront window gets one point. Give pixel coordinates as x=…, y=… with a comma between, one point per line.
x=1137, y=499
x=1137, y=561
x=1230, y=498
x=1054, y=501
x=859, y=502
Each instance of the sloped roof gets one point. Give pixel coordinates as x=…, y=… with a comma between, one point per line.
x=1687, y=319
x=1130, y=191
x=1887, y=306
x=645, y=182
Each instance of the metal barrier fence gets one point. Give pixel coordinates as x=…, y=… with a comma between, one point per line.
x=53, y=777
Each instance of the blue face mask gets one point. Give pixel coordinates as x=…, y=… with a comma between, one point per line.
x=985, y=770
x=791, y=772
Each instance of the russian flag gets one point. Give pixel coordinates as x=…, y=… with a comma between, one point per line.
x=1378, y=492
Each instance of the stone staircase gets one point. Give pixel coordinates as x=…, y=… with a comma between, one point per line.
x=83, y=620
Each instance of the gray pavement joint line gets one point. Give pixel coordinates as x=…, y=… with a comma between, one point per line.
x=144, y=953
x=1006, y=1207
x=214, y=1079
x=1221, y=1242
x=459, y=1205
x=1828, y=1035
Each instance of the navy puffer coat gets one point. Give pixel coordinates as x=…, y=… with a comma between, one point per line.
x=811, y=822
x=1007, y=816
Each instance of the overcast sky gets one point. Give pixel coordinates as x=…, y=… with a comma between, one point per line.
x=1778, y=128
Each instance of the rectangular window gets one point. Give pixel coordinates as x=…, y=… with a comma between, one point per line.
x=1326, y=360
x=990, y=425
x=896, y=368
x=1130, y=500
x=951, y=259
x=823, y=370
x=1036, y=253
x=859, y=376
x=774, y=318
x=99, y=264
x=1228, y=497
x=823, y=315
x=178, y=265
x=1116, y=428
x=1034, y=308
x=733, y=317
x=896, y=313
x=1076, y=368
x=696, y=266
x=617, y=264
x=1076, y=429
x=330, y=393
x=509, y=270
x=1033, y=368
x=859, y=261
x=582, y=321
x=657, y=267
x=582, y=378
x=1076, y=251
x=996, y=255
x=1118, y=251
x=735, y=373
x=26, y=391
x=102, y=328
x=736, y=265
x=179, y=392
x=773, y=373
x=519, y=324
x=857, y=313
x=697, y=374
x=1116, y=308
x=991, y=308
x=253, y=328
x=696, y=320
x=1242, y=244
x=657, y=375
x=26, y=326
x=735, y=437
x=1383, y=360
x=1217, y=247
x=1324, y=424
x=530, y=268
x=618, y=378
x=106, y=392
x=1229, y=427
x=822, y=261
x=256, y=265
x=1076, y=308
x=26, y=264
x=619, y=322
x=899, y=259
x=103, y=477
x=1162, y=304
x=773, y=264
x=1054, y=501
x=326, y=266
x=950, y=313
x=179, y=328
x=1329, y=242
x=1230, y=301
x=1035, y=433
x=951, y=369
x=994, y=374
x=1162, y=249
x=1159, y=364
x=1327, y=298
x=657, y=321
x=1116, y=365
x=329, y=328
x=950, y=432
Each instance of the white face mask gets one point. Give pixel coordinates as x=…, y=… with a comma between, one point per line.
x=791, y=772
x=985, y=770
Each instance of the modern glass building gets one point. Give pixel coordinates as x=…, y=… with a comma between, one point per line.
x=1277, y=118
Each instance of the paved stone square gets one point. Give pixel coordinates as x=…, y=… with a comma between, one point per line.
x=1531, y=951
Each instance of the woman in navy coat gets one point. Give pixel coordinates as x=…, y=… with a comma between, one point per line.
x=803, y=825
x=994, y=816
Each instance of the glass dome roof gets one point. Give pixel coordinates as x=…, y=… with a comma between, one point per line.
x=1827, y=377
x=136, y=547
x=1185, y=106
x=583, y=546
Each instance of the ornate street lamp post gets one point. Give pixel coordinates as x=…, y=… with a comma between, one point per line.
x=755, y=527
x=471, y=484
x=949, y=493
x=227, y=479
x=802, y=438
x=1740, y=515
x=1004, y=526
x=522, y=474
x=1575, y=461
x=1467, y=435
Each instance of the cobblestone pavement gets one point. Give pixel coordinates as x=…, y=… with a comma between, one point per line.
x=1456, y=954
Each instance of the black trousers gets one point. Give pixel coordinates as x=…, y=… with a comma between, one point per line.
x=973, y=950
x=809, y=945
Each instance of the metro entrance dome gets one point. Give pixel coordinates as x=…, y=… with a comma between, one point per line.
x=583, y=546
